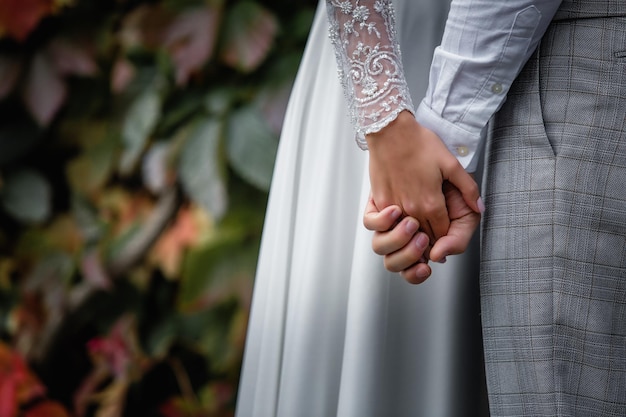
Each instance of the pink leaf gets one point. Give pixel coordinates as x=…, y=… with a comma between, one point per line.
x=70, y=59
x=93, y=270
x=117, y=348
x=9, y=72
x=45, y=91
x=273, y=105
x=191, y=40
x=251, y=34
x=122, y=74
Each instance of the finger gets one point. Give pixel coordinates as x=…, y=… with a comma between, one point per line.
x=431, y=212
x=468, y=187
x=384, y=243
x=382, y=220
x=408, y=255
x=417, y=273
x=457, y=240
x=439, y=222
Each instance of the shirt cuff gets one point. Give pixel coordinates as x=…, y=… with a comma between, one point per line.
x=463, y=144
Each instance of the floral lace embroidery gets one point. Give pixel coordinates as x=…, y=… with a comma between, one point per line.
x=369, y=63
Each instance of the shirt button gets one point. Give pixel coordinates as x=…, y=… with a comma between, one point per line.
x=496, y=88
x=462, y=150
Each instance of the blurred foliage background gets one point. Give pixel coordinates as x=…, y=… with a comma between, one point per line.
x=137, y=140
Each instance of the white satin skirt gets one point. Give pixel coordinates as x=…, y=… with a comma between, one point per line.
x=331, y=332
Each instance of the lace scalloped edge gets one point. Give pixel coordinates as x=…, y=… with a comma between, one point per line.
x=380, y=124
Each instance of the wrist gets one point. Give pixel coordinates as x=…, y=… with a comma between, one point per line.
x=393, y=132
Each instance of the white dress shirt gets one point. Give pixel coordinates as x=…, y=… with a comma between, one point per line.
x=484, y=47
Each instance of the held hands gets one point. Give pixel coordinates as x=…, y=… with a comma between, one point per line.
x=408, y=165
x=415, y=178
x=405, y=249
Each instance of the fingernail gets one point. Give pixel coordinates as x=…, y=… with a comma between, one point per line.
x=395, y=213
x=421, y=274
x=422, y=241
x=480, y=204
x=443, y=260
x=411, y=227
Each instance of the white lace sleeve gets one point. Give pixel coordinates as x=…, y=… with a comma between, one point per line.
x=370, y=66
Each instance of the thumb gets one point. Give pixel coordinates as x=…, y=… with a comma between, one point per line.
x=443, y=247
x=380, y=221
x=457, y=240
x=467, y=186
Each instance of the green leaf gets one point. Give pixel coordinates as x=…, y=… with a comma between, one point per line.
x=92, y=169
x=209, y=332
x=250, y=33
x=162, y=336
x=300, y=26
x=90, y=225
x=218, y=101
x=119, y=244
x=18, y=135
x=26, y=196
x=52, y=269
x=179, y=109
x=201, y=168
x=211, y=273
x=139, y=123
x=251, y=147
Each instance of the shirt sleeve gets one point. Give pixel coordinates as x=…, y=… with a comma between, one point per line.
x=484, y=47
x=368, y=56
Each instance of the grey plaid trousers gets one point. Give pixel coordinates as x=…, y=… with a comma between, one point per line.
x=553, y=268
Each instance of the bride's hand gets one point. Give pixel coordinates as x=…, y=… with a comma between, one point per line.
x=408, y=165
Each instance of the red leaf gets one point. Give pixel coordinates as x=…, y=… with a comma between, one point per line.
x=19, y=18
x=8, y=401
x=17, y=383
x=45, y=91
x=191, y=40
x=250, y=36
x=46, y=409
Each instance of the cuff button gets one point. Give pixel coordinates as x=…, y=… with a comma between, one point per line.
x=496, y=88
x=462, y=150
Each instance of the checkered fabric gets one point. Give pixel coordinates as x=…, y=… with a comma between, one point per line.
x=553, y=280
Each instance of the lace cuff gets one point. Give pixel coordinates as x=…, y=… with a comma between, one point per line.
x=369, y=63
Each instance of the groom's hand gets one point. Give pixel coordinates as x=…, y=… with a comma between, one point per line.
x=402, y=250
x=463, y=223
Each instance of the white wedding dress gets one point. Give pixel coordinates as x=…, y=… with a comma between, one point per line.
x=331, y=332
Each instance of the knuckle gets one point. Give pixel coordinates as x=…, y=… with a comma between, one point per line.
x=377, y=247
x=391, y=266
x=411, y=207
